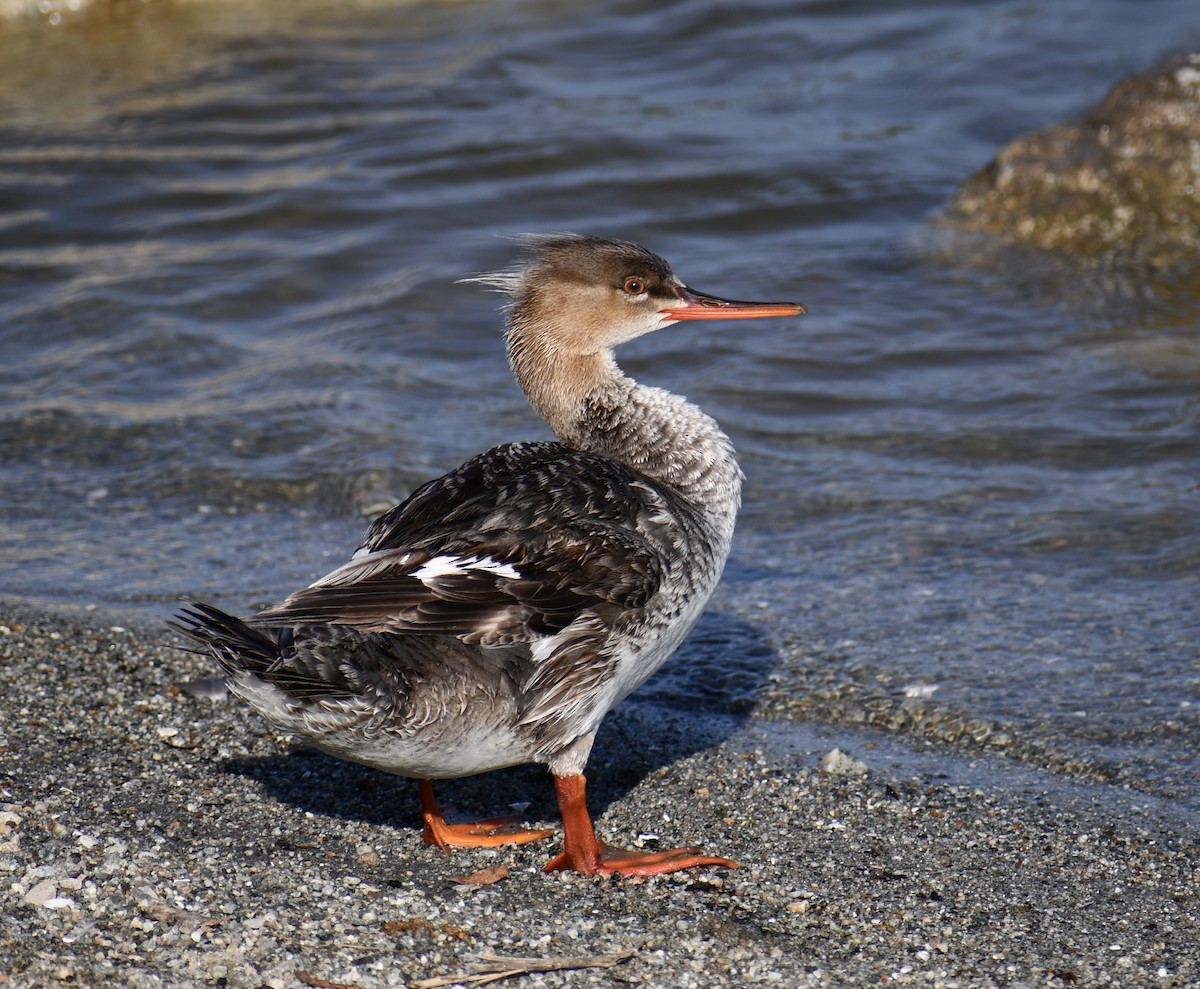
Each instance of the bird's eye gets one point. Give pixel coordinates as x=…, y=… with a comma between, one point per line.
x=634, y=285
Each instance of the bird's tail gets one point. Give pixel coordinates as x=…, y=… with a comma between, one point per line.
x=237, y=646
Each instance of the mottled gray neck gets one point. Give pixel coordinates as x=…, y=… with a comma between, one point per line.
x=667, y=438
x=591, y=405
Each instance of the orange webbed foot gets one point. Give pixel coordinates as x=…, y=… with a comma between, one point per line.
x=490, y=833
x=584, y=853
x=628, y=862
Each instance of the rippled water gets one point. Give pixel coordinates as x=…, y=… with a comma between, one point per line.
x=229, y=239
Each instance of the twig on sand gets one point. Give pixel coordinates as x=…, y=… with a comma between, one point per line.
x=484, y=877
x=318, y=983
x=492, y=968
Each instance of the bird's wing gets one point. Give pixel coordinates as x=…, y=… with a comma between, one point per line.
x=514, y=545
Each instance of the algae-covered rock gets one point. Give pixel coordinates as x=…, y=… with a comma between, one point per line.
x=1121, y=185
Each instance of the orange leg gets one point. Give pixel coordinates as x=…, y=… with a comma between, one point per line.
x=583, y=852
x=481, y=834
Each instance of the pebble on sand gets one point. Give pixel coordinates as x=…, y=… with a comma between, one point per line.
x=837, y=763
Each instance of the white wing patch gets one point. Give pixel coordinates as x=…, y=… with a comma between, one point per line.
x=444, y=566
x=542, y=649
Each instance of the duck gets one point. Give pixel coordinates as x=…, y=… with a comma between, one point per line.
x=496, y=616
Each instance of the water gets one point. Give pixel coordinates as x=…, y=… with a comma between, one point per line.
x=229, y=239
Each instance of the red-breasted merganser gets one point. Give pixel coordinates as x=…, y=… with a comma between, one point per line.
x=498, y=614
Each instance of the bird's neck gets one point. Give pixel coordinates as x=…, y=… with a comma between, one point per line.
x=593, y=406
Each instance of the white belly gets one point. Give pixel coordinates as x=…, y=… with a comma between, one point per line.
x=443, y=747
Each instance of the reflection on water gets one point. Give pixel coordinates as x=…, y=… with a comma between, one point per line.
x=229, y=239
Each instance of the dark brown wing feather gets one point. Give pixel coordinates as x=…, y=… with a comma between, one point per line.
x=582, y=534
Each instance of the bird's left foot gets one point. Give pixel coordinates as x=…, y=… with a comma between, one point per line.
x=492, y=833
x=628, y=862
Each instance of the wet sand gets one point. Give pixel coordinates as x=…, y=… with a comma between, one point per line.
x=149, y=837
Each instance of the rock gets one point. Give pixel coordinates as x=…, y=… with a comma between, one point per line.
x=42, y=893
x=1120, y=186
x=10, y=837
x=837, y=763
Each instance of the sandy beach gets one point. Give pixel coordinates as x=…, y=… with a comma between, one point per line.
x=150, y=837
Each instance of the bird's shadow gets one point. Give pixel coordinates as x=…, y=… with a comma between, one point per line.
x=697, y=701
